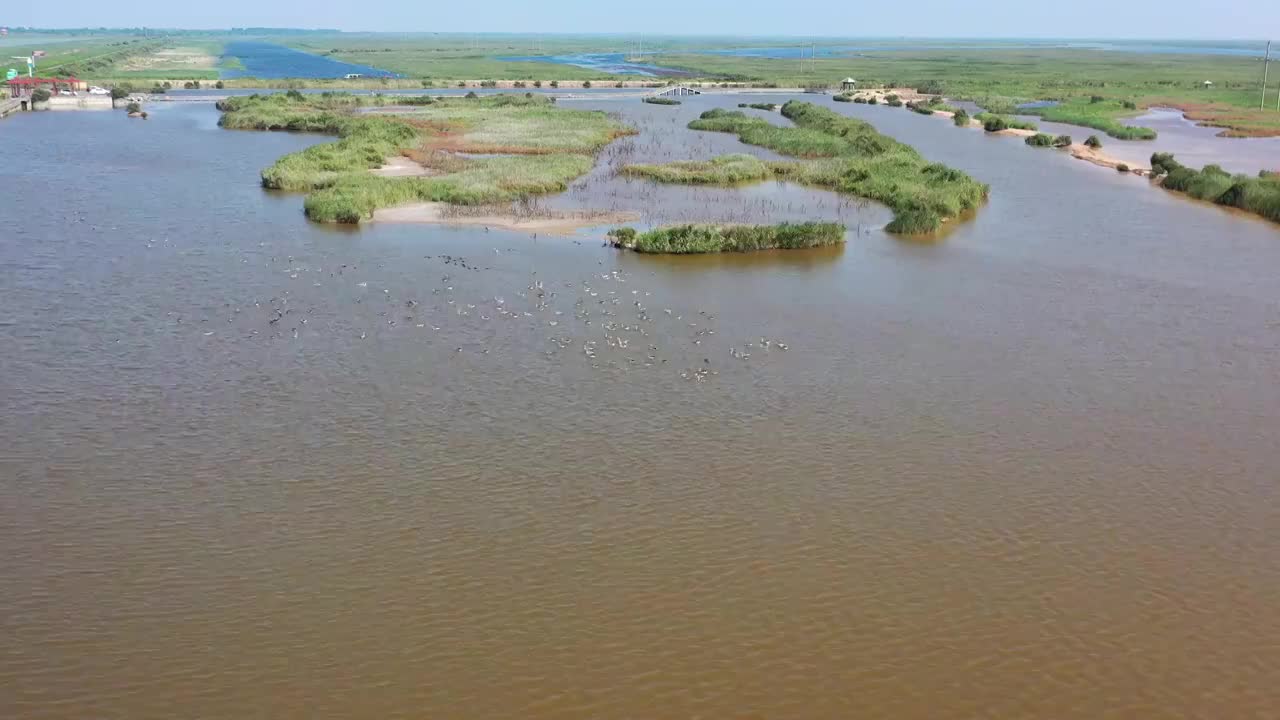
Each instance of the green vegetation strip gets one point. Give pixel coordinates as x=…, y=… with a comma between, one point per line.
x=690, y=239
x=661, y=101
x=1095, y=113
x=992, y=122
x=1043, y=140
x=548, y=147
x=1259, y=195
x=843, y=154
x=724, y=170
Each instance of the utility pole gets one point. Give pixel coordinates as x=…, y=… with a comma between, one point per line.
x=1266, y=65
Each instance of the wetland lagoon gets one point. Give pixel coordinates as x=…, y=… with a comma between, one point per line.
x=261, y=466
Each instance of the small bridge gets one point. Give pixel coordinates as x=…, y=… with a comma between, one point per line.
x=677, y=90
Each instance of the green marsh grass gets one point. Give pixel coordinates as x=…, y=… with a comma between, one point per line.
x=550, y=148
x=724, y=170
x=994, y=122
x=843, y=154
x=695, y=239
x=1103, y=115
x=1256, y=194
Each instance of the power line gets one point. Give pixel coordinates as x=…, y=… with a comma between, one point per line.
x=1266, y=65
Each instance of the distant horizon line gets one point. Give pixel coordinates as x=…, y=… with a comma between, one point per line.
x=320, y=31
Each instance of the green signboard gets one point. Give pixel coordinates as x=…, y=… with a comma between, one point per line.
x=11, y=74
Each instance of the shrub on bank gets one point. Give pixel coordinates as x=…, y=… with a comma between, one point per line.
x=918, y=221
x=1163, y=163
x=132, y=108
x=120, y=92
x=861, y=100
x=893, y=103
x=890, y=97
x=40, y=95
x=1062, y=141
x=157, y=89
x=660, y=101
x=1093, y=142
x=1040, y=140
x=843, y=97
x=872, y=100
x=586, y=84
x=995, y=123
x=693, y=239
x=1004, y=122
x=1121, y=167
x=1258, y=195
x=961, y=118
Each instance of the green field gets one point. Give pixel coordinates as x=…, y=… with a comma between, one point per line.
x=1024, y=75
x=85, y=58
x=996, y=74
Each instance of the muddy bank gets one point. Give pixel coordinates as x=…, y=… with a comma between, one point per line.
x=401, y=166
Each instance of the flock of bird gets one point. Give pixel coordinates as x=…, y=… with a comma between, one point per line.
x=607, y=319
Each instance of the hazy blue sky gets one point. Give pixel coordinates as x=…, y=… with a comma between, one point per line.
x=1244, y=19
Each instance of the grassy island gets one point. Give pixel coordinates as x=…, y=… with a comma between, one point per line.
x=527, y=146
x=839, y=153
x=1259, y=195
x=691, y=239
x=1096, y=113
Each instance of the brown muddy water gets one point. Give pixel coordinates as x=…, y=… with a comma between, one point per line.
x=258, y=468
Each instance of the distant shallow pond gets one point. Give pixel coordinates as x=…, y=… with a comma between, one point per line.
x=617, y=63
x=613, y=63
x=269, y=60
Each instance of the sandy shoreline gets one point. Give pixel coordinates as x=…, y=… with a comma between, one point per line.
x=551, y=222
x=1078, y=151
